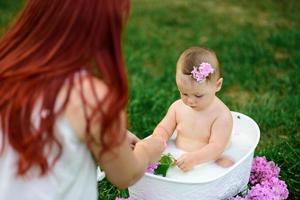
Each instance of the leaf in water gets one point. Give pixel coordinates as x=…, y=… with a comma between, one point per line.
x=166, y=161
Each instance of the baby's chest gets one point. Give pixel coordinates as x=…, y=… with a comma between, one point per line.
x=194, y=128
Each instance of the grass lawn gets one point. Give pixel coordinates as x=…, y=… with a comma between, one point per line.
x=258, y=46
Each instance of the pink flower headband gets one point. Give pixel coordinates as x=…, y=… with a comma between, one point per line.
x=201, y=72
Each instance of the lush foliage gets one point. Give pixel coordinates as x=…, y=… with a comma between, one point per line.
x=258, y=46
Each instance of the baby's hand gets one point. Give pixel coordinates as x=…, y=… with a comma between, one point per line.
x=186, y=162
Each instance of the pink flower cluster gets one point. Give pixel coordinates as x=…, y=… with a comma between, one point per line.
x=264, y=182
x=202, y=71
x=262, y=170
x=152, y=167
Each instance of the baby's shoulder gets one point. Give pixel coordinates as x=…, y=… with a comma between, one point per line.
x=176, y=105
x=223, y=120
x=223, y=112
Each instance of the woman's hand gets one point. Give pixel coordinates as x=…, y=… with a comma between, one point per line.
x=132, y=139
x=186, y=162
x=154, y=147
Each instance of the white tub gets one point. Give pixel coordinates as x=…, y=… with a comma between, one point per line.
x=207, y=181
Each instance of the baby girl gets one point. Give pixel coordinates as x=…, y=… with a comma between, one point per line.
x=202, y=121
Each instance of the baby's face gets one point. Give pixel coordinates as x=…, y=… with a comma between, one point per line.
x=196, y=95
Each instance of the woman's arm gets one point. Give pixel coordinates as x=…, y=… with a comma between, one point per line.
x=123, y=165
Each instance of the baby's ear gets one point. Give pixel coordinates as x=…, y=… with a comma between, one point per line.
x=219, y=84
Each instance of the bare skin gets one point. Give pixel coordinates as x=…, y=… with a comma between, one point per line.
x=124, y=164
x=202, y=121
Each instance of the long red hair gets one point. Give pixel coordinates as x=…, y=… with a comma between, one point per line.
x=50, y=41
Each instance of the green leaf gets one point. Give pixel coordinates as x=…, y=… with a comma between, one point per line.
x=162, y=170
x=166, y=161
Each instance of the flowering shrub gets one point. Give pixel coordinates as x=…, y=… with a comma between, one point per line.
x=262, y=170
x=264, y=182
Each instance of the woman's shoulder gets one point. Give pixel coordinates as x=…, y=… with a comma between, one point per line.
x=89, y=86
x=85, y=93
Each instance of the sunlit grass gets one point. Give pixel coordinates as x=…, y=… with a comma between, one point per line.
x=258, y=46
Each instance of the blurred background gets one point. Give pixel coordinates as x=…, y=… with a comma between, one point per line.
x=258, y=45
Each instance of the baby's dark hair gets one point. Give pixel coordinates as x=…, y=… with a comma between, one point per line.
x=194, y=56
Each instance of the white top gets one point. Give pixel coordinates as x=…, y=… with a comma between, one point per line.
x=73, y=176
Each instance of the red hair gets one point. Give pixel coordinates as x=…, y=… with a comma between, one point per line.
x=51, y=41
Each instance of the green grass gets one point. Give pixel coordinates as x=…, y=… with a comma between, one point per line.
x=258, y=46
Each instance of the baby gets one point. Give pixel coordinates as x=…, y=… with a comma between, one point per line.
x=202, y=121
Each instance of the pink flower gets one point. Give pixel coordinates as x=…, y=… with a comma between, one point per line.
x=278, y=187
x=273, y=189
x=152, y=167
x=206, y=69
x=120, y=198
x=262, y=170
x=264, y=182
x=202, y=71
x=260, y=192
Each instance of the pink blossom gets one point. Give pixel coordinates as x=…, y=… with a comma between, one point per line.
x=278, y=187
x=152, y=167
x=262, y=170
x=260, y=192
x=206, y=69
x=264, y=182
x=202, y=71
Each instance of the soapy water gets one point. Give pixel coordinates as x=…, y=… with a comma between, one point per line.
x=241, y=144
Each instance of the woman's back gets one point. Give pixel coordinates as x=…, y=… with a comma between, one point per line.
x=72, y=177
x=49, y=42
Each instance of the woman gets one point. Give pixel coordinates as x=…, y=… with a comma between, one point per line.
x=63, y=97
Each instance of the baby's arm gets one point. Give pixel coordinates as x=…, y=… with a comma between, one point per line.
x=220, y=136
x=167, y=125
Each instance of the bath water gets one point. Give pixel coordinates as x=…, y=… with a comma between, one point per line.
x=240, y=146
